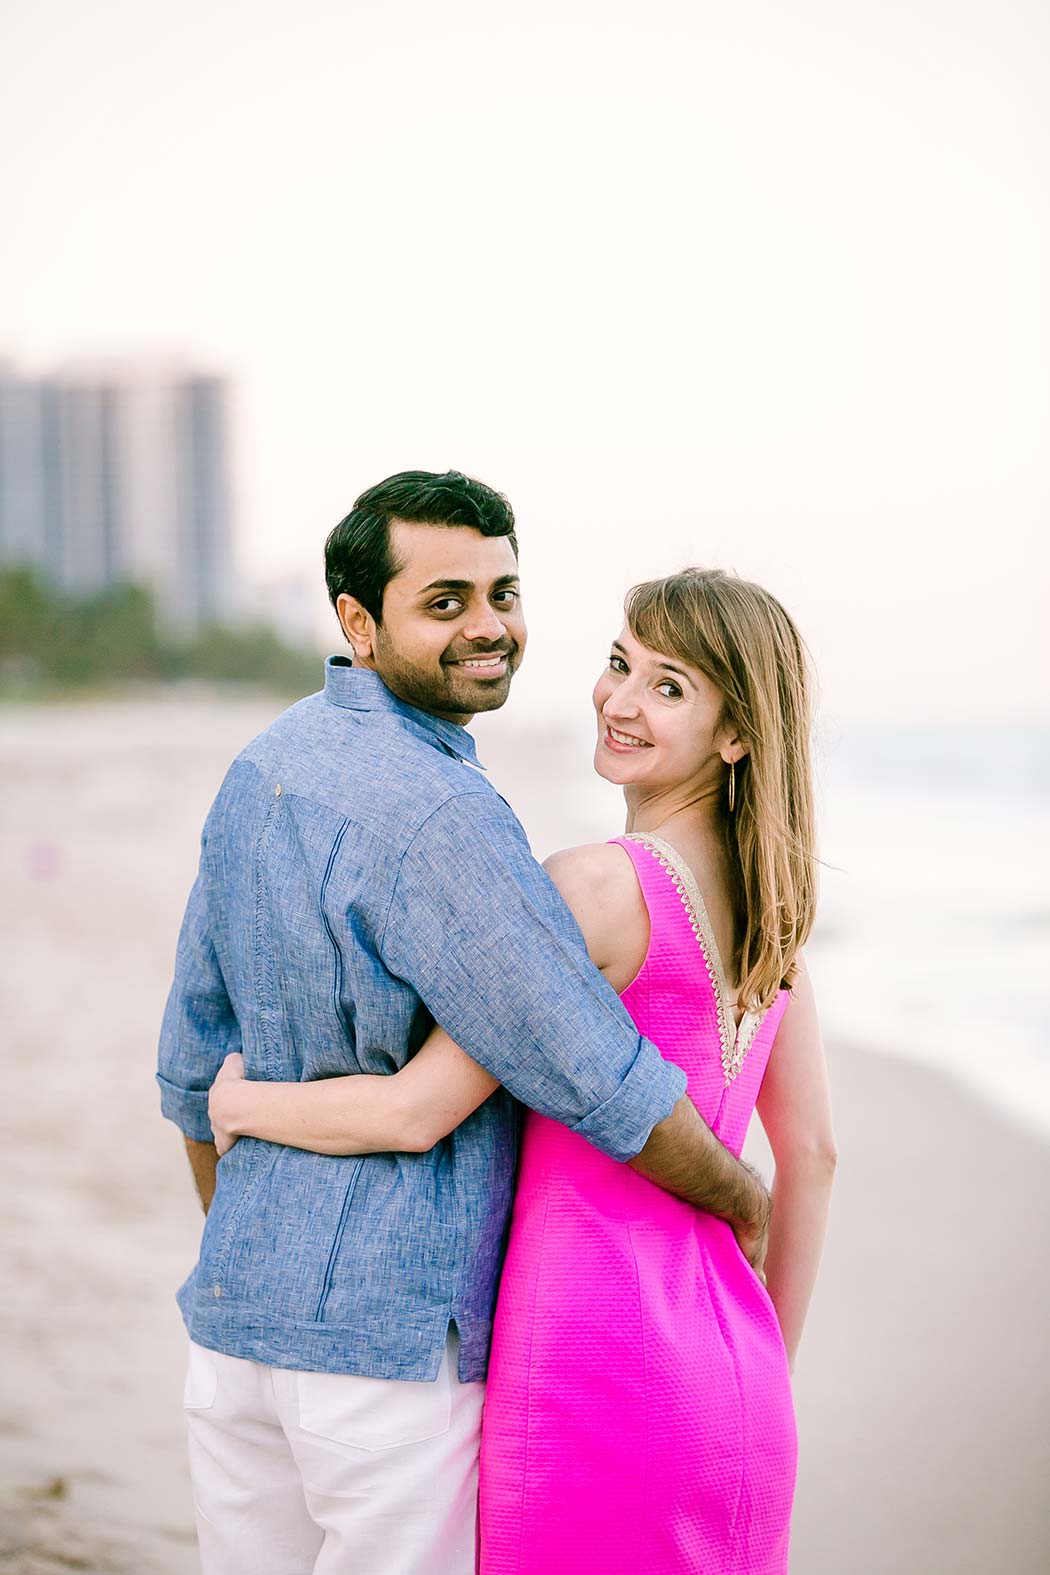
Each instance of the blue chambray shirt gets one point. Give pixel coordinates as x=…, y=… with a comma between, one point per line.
x=359, y=878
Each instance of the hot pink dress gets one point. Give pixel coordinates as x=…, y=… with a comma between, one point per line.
x=638, y=1419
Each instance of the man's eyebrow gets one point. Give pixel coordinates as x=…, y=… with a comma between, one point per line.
x=679, y=672
x=447, y=585
x=464, y=585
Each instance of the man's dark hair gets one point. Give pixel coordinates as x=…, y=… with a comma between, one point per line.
x=359, y=560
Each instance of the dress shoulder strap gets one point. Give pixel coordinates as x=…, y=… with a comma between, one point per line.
x=659, y=895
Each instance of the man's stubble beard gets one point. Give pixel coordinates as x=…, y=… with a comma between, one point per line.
x=439, y=693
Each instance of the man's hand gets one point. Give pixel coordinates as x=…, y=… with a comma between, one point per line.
x=684, y=1157
x=753, y=1235
x=231, y=1071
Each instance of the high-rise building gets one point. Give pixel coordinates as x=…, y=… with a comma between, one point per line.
x=120, y=472
x=30, y=471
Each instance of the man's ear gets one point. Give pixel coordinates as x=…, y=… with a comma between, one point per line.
x=358, y=625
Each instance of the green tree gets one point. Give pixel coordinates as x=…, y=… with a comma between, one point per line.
x=30, y=614
x=253, y=655
x=49, y=641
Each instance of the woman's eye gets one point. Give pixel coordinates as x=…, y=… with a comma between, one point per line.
x=617, y=663
x=671, y=690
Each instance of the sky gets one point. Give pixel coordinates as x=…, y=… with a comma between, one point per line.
x=759, y=286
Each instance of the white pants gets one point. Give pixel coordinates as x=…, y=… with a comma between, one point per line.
x=328, y=1474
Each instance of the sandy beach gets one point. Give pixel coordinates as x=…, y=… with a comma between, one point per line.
x=923, y=1386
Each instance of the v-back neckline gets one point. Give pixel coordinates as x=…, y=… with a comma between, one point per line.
x=736, y=1038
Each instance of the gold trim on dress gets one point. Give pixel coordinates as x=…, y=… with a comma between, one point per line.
x=736, y=1039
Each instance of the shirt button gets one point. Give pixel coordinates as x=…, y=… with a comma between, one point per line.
x=278, y=790
x=217, y=1289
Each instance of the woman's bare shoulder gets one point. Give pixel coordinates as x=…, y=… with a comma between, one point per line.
x=598, y=882
x=602, y=868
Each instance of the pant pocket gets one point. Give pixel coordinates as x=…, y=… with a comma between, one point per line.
x=374, y=1413
x=202, y=1379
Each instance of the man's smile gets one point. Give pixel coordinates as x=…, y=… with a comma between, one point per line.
x=483, y=664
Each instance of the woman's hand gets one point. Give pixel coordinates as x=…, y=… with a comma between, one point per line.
x=231, y=1071
x=356, y=1113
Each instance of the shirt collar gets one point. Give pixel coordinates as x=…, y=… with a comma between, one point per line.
x=360, y=689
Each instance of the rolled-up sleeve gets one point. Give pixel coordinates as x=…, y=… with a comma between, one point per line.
x=479, y=931
x=200, y=1026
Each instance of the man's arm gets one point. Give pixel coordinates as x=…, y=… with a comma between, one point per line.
x=683, y=1156
x=441, y=1085
x=483, y=937
x=203, y=1158
x=200, y=1029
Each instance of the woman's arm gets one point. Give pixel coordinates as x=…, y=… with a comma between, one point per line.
x=406, y=1112
x=410, y=1110
x=794, y=1105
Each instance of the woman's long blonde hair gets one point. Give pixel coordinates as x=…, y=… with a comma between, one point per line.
x=740, y=637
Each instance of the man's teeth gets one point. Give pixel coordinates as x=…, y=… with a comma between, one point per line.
x=488, y=661
x=625, y=738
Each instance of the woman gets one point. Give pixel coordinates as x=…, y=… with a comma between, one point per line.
x=638, y=1415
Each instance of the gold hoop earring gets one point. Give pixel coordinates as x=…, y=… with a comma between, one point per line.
x=732, y=786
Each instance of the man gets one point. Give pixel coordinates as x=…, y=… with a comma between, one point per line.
x=359, y=878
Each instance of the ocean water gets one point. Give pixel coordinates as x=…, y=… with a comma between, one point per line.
x=933, y=933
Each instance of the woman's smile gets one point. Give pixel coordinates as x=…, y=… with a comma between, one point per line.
x=622, y=743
